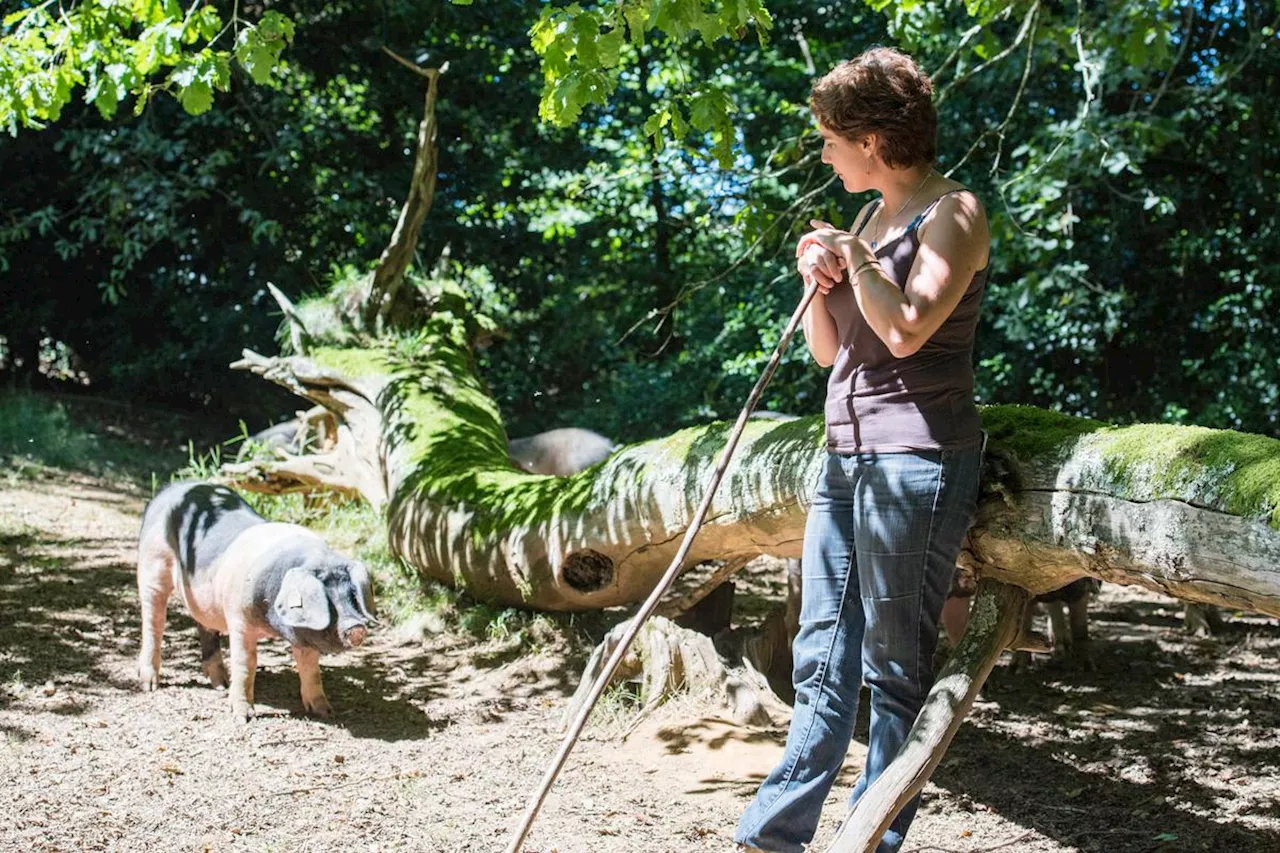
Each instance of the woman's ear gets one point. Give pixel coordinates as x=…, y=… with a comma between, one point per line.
x=869, y=144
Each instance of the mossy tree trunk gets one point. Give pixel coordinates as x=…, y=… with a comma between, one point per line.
x=1186, y=511
x=1182, y=510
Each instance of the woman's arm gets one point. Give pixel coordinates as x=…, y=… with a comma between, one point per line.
x=820, y=331
x=954, y=244
x=827, y=268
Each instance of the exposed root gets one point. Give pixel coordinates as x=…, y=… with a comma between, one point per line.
x=351, y=437
x=305, y=378
x=666, y=658
x=292, y=474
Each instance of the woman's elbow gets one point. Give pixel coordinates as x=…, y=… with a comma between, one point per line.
x=901, y=345
x=822, y=356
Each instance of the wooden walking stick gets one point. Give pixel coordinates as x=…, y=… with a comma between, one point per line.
x=575, y=729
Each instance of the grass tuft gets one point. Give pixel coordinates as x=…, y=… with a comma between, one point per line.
x=40, y=434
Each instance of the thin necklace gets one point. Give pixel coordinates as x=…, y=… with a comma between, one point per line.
x=901, y=207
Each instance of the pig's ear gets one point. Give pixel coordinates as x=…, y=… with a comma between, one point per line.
x=364, y=590
x=301, y=602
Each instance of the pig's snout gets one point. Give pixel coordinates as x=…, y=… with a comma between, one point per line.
x=355, y=636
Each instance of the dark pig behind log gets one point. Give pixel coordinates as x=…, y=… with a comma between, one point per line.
x=560, y=452
x=1069, y=634
x=286, y=436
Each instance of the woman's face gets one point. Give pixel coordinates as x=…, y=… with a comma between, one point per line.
x=851, y=161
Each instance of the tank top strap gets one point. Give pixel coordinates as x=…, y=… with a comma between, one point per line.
x=924, y=214
x=867, y=217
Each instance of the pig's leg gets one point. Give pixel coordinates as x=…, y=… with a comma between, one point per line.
x=244, y=666
x=211, y=657
x=1060, y=633
x=1202, y=620
x=155, y=585
x=1078, y=613
x=313, y=699
x=1026, y=642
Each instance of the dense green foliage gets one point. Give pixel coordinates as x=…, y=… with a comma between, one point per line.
x=45, y=436
x=121, y=48
x=1126, y=152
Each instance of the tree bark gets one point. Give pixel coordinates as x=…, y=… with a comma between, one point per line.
x=383, y=301
x=1186, y=511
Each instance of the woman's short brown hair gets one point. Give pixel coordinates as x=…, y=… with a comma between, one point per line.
x=885, y=93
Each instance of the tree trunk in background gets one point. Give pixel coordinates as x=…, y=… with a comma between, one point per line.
x=385, y=298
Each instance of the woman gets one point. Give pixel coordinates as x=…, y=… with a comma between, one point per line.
x=894, y=319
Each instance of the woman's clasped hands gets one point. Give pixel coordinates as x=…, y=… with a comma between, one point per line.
x=824, y=254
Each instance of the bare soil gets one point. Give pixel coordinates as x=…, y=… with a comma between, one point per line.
x=1172, y=743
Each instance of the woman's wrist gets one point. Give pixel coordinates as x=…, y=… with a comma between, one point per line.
x=868, y=265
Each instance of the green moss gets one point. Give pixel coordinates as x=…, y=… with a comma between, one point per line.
x=1238, y=472
x=1030, y=432
x=353, y=363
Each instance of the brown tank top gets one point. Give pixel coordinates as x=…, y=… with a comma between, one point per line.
x=877, y=402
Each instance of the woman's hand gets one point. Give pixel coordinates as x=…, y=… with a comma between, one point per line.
x=851, y=249
x=819, y=264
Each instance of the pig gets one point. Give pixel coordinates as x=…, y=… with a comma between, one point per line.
x=1069, y=635
x=560, y=452
x=1202, y=620
x=766, y=415
x=286, y=436
x=250, y=579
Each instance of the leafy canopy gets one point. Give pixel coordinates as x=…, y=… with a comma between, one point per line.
x=586, y=50
x=115, y=49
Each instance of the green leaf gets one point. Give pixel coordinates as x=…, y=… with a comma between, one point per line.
x=104, y=93
x=196, y=98
x=656, y=122
x=196, y=79
x=276, y=25
x=677, y=18
x=679, y=127
x=204, y=24
x=708, y=108
x=586, y=29
x=258, y=53
x=637, y=16
x=610, y=47
x=14, y=17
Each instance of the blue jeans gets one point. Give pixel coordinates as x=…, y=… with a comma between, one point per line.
x=880, y=547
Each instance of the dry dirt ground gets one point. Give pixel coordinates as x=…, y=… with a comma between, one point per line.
x=1172, y=744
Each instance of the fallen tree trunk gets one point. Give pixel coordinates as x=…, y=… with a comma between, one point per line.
x=1186, y=511
x=1190, y=512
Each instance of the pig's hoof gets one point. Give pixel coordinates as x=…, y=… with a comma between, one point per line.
x=1083, y=661
x=318, y=706
x=148, y=679
x=216, y=672
x=241, y=712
